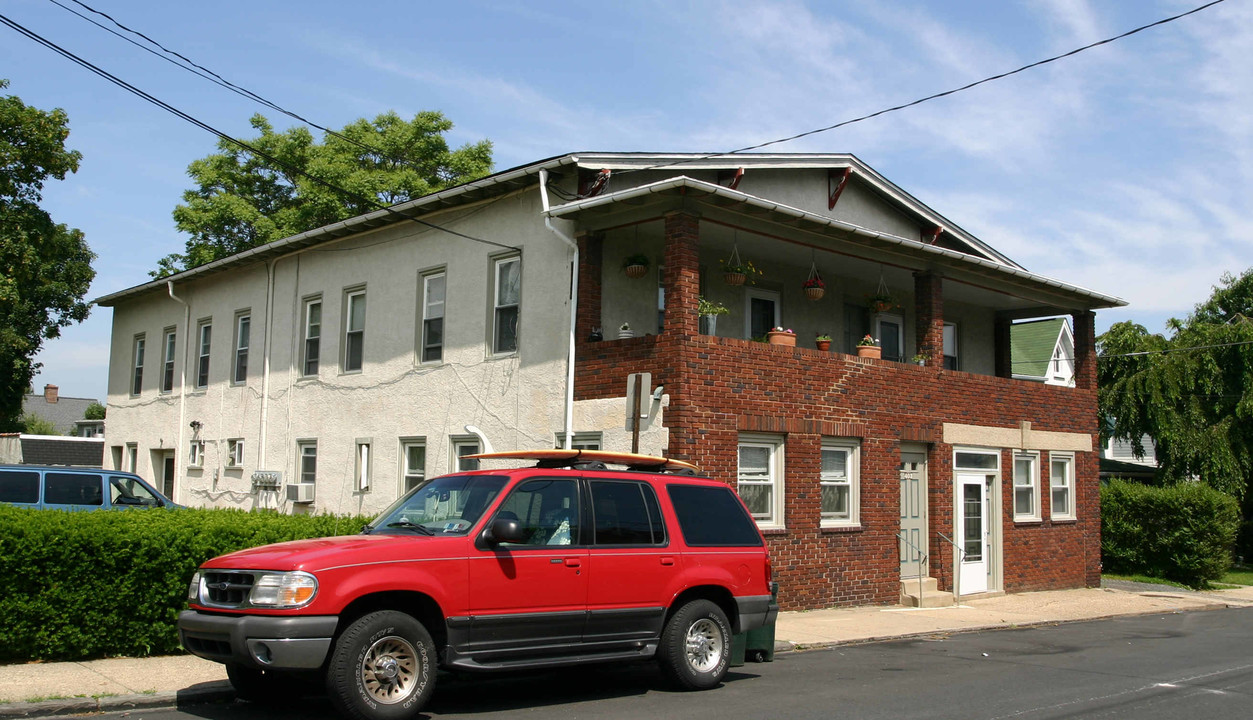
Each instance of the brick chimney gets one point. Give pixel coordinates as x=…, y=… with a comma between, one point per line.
x=50, y=394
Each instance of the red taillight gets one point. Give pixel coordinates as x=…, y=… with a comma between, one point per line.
x=769, y=572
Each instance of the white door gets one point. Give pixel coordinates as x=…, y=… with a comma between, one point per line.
x=972, y=533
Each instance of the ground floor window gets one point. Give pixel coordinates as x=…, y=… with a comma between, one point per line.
x=760, y=478
x=838, y=481
x=1061, y=482
x=1026, y=486
x=308, y=457
x=462, y=447
x=413, y=459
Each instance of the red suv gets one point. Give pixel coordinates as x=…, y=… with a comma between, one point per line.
x=563, y=563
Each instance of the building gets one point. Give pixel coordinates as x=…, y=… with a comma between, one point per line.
x=1043, y=351
x=66, y=414
x=331, y=370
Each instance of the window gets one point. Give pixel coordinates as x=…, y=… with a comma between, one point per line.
x=167, y=370
x=73, y=489
x=362, y=473
x=462, y=447
x=313, y=336
x=856, y=326
x=626, y=513
x=508, y=297
x=413, y=459
x=354, y=330
x=838, y=481
x=132, y=457
x=234, y=453
x=761, y=313
x=307, y=456
x=711, y=516
x=1026, y=486
x=889, y=330
x=243, y=329
x=760, y=482
x=547, y=509
x=433, y=317
x=19, y=486
x=138, y=380
x=950, y=346
x=202, y=366
x=1061, y=480
x=195, y=454
x=579, y=441
x=661, y=299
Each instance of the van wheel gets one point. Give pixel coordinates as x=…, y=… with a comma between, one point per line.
x=382, y=667
x=696, y=646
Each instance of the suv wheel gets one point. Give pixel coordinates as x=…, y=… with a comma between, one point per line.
x=696, y=646
x=382, y=667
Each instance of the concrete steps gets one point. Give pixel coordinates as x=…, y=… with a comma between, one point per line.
x=931, y=595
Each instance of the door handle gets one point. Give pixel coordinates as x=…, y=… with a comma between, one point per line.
x=667, y=561
x=573, y=562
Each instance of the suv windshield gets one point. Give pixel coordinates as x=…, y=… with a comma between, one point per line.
x=448, y=505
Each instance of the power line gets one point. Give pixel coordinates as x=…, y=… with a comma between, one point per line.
x=935, y=96
x=245, y=146
x=1185, y=349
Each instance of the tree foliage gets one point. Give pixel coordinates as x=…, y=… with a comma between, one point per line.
x=1192, y=392
x=45, y=267
x=94, y=411
x=35, y=425
x=243, y=200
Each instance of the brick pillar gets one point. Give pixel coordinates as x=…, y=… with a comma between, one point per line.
x=1085, y=350
x=682, y=283
x=591, y=262
x=1002, y=350
x=929, y=312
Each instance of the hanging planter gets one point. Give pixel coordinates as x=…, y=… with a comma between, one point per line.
x=814, y=287
x=736, y=271
x=881, y=301
x=635, y=266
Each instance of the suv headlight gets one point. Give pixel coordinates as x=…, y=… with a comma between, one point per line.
x=283, y=590
x=193, y=589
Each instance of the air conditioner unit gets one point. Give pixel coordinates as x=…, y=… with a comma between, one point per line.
x=300, y=493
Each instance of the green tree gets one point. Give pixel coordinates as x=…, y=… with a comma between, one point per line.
x=94, y=411
x=243, y=200
x=45, y=267
x=36, y=425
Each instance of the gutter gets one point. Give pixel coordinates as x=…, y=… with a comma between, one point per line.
x=574, y=306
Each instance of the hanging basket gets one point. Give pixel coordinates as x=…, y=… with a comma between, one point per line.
x=635, y=272
x=734, y=278
x=815, y=293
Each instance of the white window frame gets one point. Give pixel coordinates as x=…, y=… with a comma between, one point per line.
x=410, y=476
x=470, y=444
x=428, y=316
x=132, y=458
x=137, y=364
x=951, y=350
x=235, y=453
x=195, y=454
x=773, y=444
x=362, y=470
x=169, y=353
x=1067, y=460
x=876, y=327
x=580, y=440
x=498, y=306
x=306, y=449
x=311, y=337
x=850, y=480
x=204, y=338
x=352, y=296
x=243, y=340
x=1029, y=485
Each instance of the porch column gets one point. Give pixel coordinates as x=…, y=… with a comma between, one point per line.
x=591, y=261
x=682, y=281
x=1085, y=349
x=929, y=311
x=1004, y=356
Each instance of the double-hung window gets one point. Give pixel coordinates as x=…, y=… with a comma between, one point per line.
x=313, y=336
x=462, y=447
x=760, y=478
x=838, y=480
x=413, y=455
x=167, y=368
x=1061, y=484
x=202, y=361
x=137, y=377
x=1026, y=486
x=508, y=297
x=354, y=330
x=432, y=333
x=243, y=333
x=307, y=451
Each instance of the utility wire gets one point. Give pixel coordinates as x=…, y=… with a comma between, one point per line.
x=936, y=96
x=245, y=146
x=1185, y=349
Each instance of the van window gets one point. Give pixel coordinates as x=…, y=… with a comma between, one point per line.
x=712, y=516
x=73, y=489
x=19, y=486
x=129, y=491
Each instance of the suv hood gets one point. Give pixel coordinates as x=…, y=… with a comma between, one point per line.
x=321, y=553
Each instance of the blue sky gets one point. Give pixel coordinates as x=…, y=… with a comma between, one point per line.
x=1127, y=169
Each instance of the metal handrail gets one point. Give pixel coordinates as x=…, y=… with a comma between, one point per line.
x=922, y=558
x=957, y=575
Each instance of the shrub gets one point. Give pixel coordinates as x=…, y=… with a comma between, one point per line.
x=82, y=585
x=1182, y=532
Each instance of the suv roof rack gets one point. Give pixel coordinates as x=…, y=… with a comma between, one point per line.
x=593, y=460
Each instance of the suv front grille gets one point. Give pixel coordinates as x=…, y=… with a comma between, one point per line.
x=227, y=589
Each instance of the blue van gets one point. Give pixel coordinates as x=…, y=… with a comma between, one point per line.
x=73, y=488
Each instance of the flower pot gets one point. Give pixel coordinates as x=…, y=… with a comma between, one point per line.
x=635, y=271
x=624, y=334
x=815, y=293
x=823, y=345
x=781, y=338
x=734, y=278
x=869, y=351
x=711, y=324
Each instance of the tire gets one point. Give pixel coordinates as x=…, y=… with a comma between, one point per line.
x=266, y=687
x=696, y=646
x=382, y=668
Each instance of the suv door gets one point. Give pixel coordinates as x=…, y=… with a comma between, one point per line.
x=530, y=594
x=633, y=570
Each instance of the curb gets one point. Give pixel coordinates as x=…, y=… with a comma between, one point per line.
x=206, y=693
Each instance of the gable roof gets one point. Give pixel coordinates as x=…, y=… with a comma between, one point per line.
x=62, y=414
x=1032, y=344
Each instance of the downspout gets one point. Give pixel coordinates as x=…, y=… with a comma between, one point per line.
x=182, y=383
x=574, y=297
x=265, y=362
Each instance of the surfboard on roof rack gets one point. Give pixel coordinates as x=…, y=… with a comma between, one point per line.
x=565, y=458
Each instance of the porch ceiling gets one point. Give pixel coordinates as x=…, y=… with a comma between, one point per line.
x=798, y=232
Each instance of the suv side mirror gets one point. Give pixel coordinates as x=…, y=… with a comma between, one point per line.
x=505, y=530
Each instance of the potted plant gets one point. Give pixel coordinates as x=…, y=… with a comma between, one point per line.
x=710, y=310
x=635, y=266
x=881, y=302
x=823, y=341
x=920, y=359
x=624, y=331
x=779, y=336
x=867, y=347
x=814, y=287
x=736, y=271
x=595, y=335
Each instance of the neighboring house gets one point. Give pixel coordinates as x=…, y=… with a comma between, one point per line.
x=16, y=449
x=1043, y=351
x=334, y=369
x=1118, y=459
x=65, y=413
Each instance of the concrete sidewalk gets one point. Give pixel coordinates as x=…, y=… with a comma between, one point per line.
x=121, y=684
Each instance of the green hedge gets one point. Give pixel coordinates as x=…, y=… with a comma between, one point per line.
x=1182, y=532
x=76, y=585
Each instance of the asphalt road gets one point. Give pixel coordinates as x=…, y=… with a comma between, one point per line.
x=1184, y=665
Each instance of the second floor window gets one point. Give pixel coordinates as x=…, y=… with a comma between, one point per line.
x=354, y=331
x=313, y=336
x=433, y=317
x=202, y=366
x=167, y=369
x=243, y=330
x=137, y=380
x=508, y=298
x=235, y=453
